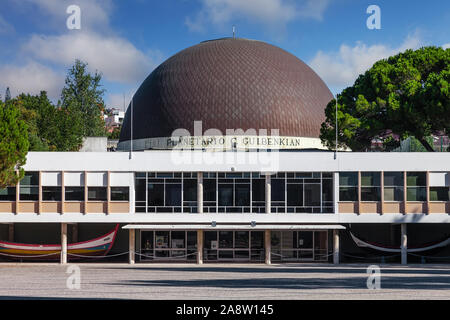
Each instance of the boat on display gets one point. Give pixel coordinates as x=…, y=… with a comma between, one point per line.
x=92, y=248
x=378, y=247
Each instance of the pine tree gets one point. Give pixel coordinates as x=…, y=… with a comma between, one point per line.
x=13, y=145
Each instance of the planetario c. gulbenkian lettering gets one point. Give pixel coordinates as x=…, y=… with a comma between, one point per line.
x=219, y=160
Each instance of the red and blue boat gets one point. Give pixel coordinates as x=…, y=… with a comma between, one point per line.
x=92, y=248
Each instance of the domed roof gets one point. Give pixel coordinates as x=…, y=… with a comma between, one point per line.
x=229, y=84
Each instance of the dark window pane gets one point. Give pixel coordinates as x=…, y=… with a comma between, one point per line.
x=120, y=194
x=257, y=239
x=416, y=194
x=277, y=189
x=393, y=194
x=97, y=194
x=312, y=195
x=155, y=194
x=327, y=190
x=51, y=193
x=74, y=193
x=416, y=179
x=258, y=189
x=348, y=194
x=393, y=179
x=140, y=190
x=209, y=190
x=146, y=240
x=29, y=193
x=294, y=195
x=178, y=240
x=225, y=195
x=190, y=190
x=30, y=179
x=161, y=239
x=348, y=179
x=305, y=240
x=173, y=195
x=242, y=194
x=370, y=194
x=241, y=239
x=8, y=194
x=226, y=239
x=210, y=239
x=370, y=179
x=439, y=194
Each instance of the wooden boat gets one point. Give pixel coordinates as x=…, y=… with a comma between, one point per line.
x=427, y=247
x=96, y=247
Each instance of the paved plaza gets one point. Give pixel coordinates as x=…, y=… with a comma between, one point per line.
x=219, y=281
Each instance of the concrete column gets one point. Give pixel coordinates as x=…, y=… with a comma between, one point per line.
x=199, y=246
x=268, y=246
x=11, y=232
x=63, y=243
x=200, y=192
x=108, y=192
x=382, y=192
x=336, y=247
x=405, y=193
x=132, y=239
x=404, y=243
x=63, y=193
x=268, y=194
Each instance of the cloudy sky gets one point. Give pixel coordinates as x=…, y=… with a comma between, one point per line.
x=126, y=39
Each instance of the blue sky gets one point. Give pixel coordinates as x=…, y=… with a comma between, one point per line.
x=127, y=39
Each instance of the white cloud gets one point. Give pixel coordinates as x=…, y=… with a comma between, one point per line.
x=340, y=69
x=116, y=100
x=31, y=78
x=116, y=58
x=446, y=46
x=273, y=13
x=94, y=14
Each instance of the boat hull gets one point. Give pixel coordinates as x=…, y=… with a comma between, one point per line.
x=75, y=251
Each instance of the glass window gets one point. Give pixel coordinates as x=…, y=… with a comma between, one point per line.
x=173, y=195
x=393, y=186
x=155, y=194
x=225, y=195
x=295, y=195
x=209, y=190
x=74, y=193
x=417, y=194
x=312, y=195
x=120, y=194
x=97, y=194
x=8, y=194
x=348, y=194
x=439, y=194
x=348, y=179
x=370, y=186
x=226, y=239
x=348, y=186
x=242, y=194
x=257, y=239
x=258, y=189
x=327, y=190
x=370, y=194
x=277, y=189
x=241, y=239
x=393, y=193
x=140, y=190
x=190, y=190
x=51, y=193
x=414, y=179
x=29, y=187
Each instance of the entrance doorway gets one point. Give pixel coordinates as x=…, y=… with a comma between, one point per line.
x=299, y=246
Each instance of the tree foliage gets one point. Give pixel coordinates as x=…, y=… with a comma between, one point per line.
x=402, y=96
x=13, y=144
x=82, y=98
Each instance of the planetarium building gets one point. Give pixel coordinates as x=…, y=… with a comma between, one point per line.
x=219, y=160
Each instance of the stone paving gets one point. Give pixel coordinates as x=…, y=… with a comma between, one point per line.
x=220, y=281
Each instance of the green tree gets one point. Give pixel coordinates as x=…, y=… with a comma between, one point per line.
x=13, y=144
x=402, y=96
x=82, y=96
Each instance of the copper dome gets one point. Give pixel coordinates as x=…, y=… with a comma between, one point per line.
x=229, y=84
